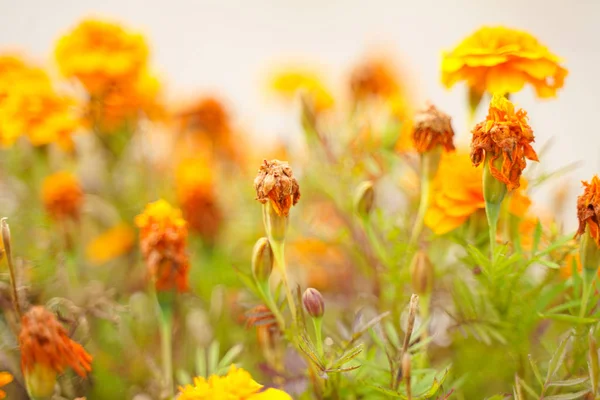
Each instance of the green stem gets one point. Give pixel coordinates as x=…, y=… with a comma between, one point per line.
x=278, y=252
x=426, y=175
x=267, y=296
x=424, y=302
x=166, y=330
x=492, y=212
x=318, y=325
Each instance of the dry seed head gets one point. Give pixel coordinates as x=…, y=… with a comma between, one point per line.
x=275, y=183
x=432, y=128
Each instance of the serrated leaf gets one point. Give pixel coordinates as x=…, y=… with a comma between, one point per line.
x=569, y=382
x=349, y=355
x=557, y=358
x=568, y=396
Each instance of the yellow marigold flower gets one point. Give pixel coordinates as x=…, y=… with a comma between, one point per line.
x=163, y=241
x=502, y=60
x=505, y=132
x=432, y=128
x=458, y=194
x=62, y=195
x=29, y=105
x=236, y=385
x=111, y=244
x=5, y=379
x=47, y=350
x=290, y=83
x=275, y=182
x=588, y=209
x=374, y=77
x=121, y=105
x=195, y=193
x=100, y=53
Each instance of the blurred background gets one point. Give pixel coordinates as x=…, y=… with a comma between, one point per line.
x=228, y=47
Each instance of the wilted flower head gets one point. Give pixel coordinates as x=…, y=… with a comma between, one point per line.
x=432, y=128
x=236, y=385
x=163, y=241
x=111, y=244
x=289, y=83
x=5, y=379
x=504, y=133
x=501, y=60
x=374, y=77
x=99, y=53
x=44, y=343
x=31, y=107
x=197, y=198
x=588, y=209
x=62, y=195
x=275, y=182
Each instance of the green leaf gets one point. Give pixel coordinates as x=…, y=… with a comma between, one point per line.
x=557, y=358
x=537, y=236
x=386, y=391
x=536, y=371
x=548, y=263
x=213, y=357
x=348, y=356
x=434, y=387
x=568, y=396
x=183, y=377
x=201, y=367
x=569, y=318
x=569, y=382
x=230, y=356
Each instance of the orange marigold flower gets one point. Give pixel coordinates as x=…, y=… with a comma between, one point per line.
x=29, y=105
x=196, y=196
x=44, y=343
x=502, y=60
x=504, y=133
x=5, y=379
x=432, y=128
x=62, y=195
x=275, y=182
x=588, y=209
x=374, y=77
x=163, y=241
x=236, y=385
x=111, y=244
x=100, y=53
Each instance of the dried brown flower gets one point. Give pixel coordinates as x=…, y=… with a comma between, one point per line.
x=275, y=182
x=432, y=128
x=588, y=209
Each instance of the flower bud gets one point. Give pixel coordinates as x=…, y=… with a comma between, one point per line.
x=364, y=199
x=262, y=260
x=422, y=273
x=494, y=190
x=313, y=303
x=589, y=253
x=40, y=381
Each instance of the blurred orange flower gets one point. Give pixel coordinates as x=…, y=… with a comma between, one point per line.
x=505, y=132
x=45, y=344
x=502, y=60
x=29, y=105
x=432, y=128
x=236, y=385
x=588, y=209
x=195, y=194
x=374, y=77
x=292, y=82
x=5, y=379
x=62, y=195
x=111, y=244
x=163, y=241
x=100, y=53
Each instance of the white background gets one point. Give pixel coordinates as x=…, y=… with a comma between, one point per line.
x=228, y=46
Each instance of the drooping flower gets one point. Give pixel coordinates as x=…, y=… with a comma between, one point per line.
x=62, y=196
x=5, y=379
x=290, y=83
x=111, y=244
x=236, y=385
x=588, y=209
x=100, y=53
x=31, y=107
x=47, y=350
x=197, y=198
x=275, y=182
x=163, y=241
x=432, y=128
x=502, y=60
x=504, y=133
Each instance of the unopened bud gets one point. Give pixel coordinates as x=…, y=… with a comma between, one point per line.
x=262, y=260
x=40, y=381
x=422, y=273
x=313, y=303
x=589, y=253
x=364, y=199
x=6, y=245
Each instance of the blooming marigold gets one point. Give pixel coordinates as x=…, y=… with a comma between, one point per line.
x=588, y=209
x=236, y=385
x=163, y=240
x=432, y=128
x=111, y=244
x=195, y=193
x=502, y=60
x=275, y=182
x=44, y=342
x=62, y=195
x=100, y=53
x=5, y=379
x=504, y=133
x=288, y=84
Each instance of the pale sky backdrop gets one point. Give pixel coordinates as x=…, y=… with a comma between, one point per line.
x=227, y=47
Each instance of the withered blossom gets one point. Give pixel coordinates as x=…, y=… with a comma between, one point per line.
x=275, y=182
x=432, y=128
x=588, y=210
